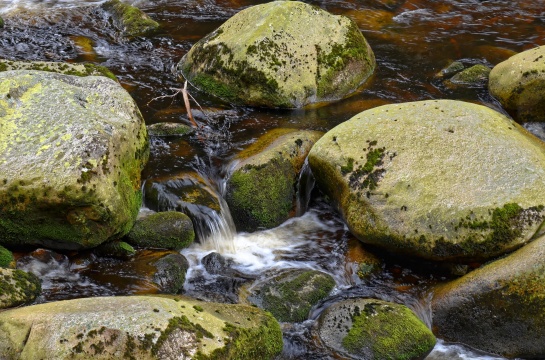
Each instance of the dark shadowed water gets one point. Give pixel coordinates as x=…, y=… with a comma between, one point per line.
x=412, y=41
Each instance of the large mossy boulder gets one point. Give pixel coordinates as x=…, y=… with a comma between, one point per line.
x=374, y=329
x=291, y=295
x=437, y=179
x=17, y=287
x=130, y=20
x=71, y=152
x=138, y=327
x=58, y=67
x=284, y=54
x=163, y=230
x=261, y=189
x=519, y=84
x=497, y=308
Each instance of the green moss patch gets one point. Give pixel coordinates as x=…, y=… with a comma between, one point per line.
x=18, y=287
x=6, y=257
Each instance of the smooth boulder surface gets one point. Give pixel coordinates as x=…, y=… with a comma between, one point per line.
x=71, y=152
x=291, y=295
x=519, y=84
x=163, y=230
x=138, y=327
x=438, y=179
x=497, y=308
x=284, y=54
x=261, y=189
x=374, y=329
x=17, y=287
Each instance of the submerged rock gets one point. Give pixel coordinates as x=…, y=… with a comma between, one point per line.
x=281, y=54
x=497, y=308
x=71, y=152
x=291, y=295
x=475, y=75
x=261, y=188
x=519, y=82
x=130, y=20
x=429, y=179
x=375, y=329
x=139, y=327
x=169, y=129
x=163, y=230
x=17, y=287
x=81, y=69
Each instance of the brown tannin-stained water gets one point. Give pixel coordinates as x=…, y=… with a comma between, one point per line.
x=412, y=41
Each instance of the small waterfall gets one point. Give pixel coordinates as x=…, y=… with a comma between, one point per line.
x=195, y=196
x=304, y=188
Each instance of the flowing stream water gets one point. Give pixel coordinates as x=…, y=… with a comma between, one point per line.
x=412, y=41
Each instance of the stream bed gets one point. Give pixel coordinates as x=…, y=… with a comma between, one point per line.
x=412, y=41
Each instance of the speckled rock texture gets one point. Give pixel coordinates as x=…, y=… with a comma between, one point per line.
x=374, y=329
x=17, y=287
x=285, y=54
x=261, y=189
x=519, y=84
x=71, y=152
x=130, y=20
x=58, y=67
x=438, y=179
x=497, y=308
x=138, y=327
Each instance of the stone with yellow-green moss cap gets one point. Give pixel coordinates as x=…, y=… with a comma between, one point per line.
x=497, y=308
x=261, y=189
x=71, y=152
x=130, y=20
x=519, y=83
x=81, y=69
x=139, y=327
x=17, y=287
x=438, y=179
x=375, y=329
x=284, y=54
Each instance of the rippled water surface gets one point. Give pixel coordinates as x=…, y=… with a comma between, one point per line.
x=412, y=41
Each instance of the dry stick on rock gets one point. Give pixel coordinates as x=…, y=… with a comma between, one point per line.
x=187, y=106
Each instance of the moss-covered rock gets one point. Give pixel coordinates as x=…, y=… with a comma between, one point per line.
x=163, y=230
x=291, y=295
x=497, y=308
x=281, y=54
x=6, y=258
x=17, y=287
x=130, y=20
x=1, y=22
x=519, y=84
x=115, y=249
x=451, y=69
x=169, y=129
x=476, y=75
x=71, y=152
x=81, y=69
x=375, y=329
x=139, y=327
x=261, y=188
x=429, y=179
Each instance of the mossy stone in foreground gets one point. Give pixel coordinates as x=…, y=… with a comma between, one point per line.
x=164, y=230
x=17, y=287
x=291, y=295
x=129, y=19
x=284, y=54
x=139, y=327
x=497, y=308
x=374, y=329
x=428, y=179
x=82, y=69
x=261, y=189
x=71, y=153
x=519, y=84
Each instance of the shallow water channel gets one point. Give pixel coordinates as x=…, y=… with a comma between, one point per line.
x=412, y=41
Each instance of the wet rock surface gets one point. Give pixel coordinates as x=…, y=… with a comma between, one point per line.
x=163, y=230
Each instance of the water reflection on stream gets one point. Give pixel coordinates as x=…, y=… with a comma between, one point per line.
x=412, y=40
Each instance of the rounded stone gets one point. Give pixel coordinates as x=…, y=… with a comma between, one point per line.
x=374, y=329
x=18, y=287
x=519, y=84
x=163, y=230
x=439, y=179
x=284, y=54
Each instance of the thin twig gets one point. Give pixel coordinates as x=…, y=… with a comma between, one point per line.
x=187, y=105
